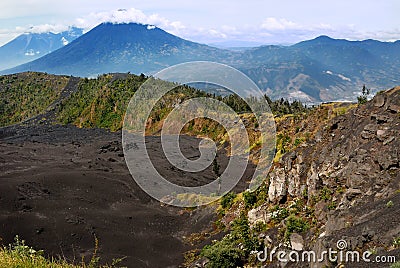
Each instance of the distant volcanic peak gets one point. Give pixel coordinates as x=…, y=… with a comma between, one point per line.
x=132, y=24
x=125, y=27
x=323, y=38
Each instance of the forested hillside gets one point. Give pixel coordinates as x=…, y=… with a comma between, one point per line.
x=25, y=95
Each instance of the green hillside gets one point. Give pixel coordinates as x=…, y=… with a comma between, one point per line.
x=25, y=95
x=98, y=102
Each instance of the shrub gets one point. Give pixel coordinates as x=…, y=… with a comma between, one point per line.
x=249, y=198
x=279, y=214
x=295, y=225
x=395, y=265
x=396, y=242
x=298, y=141
x=235, y=247
x=227, y=200
x=222, y=254
x=389, y=204
x=325, y=194
x=364, y=97
x=332, y=205
x=243, y=235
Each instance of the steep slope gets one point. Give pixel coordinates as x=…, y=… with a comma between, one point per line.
x=31, y=46
x=355, y=150
x=341, y=185
x=354, y=164
x=26, y=95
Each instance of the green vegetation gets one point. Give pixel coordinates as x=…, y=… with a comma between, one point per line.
x=100, y=102
x=295, y=225
x=223, y=254
x=396, y=242
x=332, y=205
x=364, y=95
x=325, y=194
x=293, y=130
x=249, y=198
x=395, y=265
x=389, y=204
x=279, y=214
x=19, y=255
x=234, y=248
x=283, y=140
x=282, y=106
x=227, y=200
x=28, y=94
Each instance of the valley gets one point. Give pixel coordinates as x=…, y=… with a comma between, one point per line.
x=67, y=189
x=188, y=134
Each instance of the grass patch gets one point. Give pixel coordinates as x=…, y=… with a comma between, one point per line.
x=395, y=265
x=20, y=255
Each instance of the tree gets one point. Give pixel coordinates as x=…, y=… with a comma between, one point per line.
x=364, y=95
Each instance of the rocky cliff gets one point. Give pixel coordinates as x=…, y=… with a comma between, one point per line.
x=349, y=175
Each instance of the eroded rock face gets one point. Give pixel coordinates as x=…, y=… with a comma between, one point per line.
x=278, y=185
x=359, y=152
x=296, y=242
x=357, y=157
x=256, y=215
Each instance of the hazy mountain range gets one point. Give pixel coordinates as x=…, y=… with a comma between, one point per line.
x=31, y=46
x=322, y=69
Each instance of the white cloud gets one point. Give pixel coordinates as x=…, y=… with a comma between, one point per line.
x=115, y=16
x=174, y=27
x=344, y=77
x=45, y=28
x=274, y=24
x=269, y=30
x=217, y=34
x=93, y=19
x=128, y=16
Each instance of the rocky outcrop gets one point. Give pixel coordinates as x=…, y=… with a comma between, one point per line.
x=358, y=151
x=357, y=158
x=256, y=215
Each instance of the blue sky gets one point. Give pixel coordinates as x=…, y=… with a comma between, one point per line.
x=213, y=21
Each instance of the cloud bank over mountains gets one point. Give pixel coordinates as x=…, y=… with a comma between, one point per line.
x=271, y=30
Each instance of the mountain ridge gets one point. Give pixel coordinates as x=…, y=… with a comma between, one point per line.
x=317, y=70
x=126, y=37
x=30, y=46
